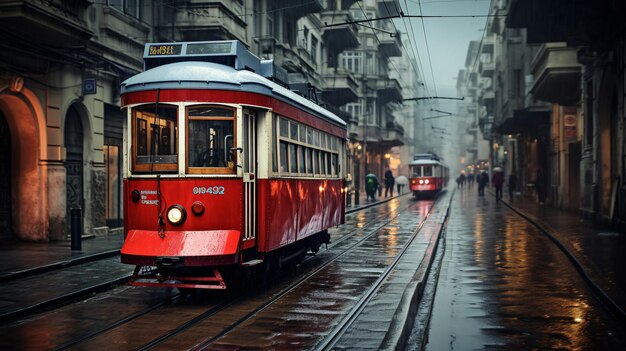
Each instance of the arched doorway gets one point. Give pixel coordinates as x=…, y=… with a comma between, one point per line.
x=5, y=180
x=74, y=161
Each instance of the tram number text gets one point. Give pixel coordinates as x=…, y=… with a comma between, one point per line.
x=215, y=190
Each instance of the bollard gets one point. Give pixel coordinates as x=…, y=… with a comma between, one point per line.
x=356, y=196
x=76, y=228
x=349, y=198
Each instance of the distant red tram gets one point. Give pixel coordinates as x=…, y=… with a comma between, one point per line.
x=428, y=175
x=224, y=167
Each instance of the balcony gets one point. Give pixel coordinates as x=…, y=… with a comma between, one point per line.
x=340, y=88
x=218, y=23
x=56, y=23
x=472, y=129
x=487, y=98
x=388, y=90
x=297, y=9
x=390, y=45
x=342, y=35
x=557, y=74
x=529, y=121
x=287, y=57
x=487, y=69
x=559, y=20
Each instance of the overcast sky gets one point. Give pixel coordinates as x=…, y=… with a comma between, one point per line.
x=447, y=38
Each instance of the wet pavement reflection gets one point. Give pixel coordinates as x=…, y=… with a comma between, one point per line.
x=504, y=285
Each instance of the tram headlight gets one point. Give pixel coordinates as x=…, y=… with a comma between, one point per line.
x=426, y=181
x=176, y=214
x=421, y=181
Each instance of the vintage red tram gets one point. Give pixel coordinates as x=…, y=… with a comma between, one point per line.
x=225, y=168
x=428, y=175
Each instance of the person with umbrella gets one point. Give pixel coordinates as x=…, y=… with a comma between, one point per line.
x=401, y=181
x=371, y=185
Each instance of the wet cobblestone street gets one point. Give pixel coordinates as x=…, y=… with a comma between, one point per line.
x=505, y=285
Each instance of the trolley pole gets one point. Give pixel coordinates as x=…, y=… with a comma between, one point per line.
x=76, y=228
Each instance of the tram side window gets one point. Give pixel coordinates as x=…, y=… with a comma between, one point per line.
x=210, y=138
x=283, y=157
x=303, y=151
x=154, y=138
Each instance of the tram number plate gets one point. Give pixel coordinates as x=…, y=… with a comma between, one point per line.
x=423, y=187
x=214, y=190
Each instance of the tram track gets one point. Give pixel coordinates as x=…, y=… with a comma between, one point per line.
x=277, y=296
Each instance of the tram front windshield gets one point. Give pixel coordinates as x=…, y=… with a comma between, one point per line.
x=155, y=138
x=210, y=137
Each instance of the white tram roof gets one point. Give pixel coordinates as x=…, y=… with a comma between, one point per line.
x=424, y=162
x=208, y=75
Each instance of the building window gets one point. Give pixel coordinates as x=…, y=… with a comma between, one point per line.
x=314, y=49
x=354, y=109
x=352, y=61
x=129, y=7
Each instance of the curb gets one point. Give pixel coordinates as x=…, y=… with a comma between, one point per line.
x=7, y=317
x=401, y=326
x=57, y=265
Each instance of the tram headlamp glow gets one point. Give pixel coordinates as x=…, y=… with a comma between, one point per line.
x=176, y=214
x=426, y=181
x=421, y=181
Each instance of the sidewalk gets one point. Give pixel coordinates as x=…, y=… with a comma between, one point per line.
x=599, y=253
x=18, y=259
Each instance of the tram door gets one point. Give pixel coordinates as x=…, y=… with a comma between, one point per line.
x=249, y=174
x=5, y=179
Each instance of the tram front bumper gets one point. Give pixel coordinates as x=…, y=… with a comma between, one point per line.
x=193, y=248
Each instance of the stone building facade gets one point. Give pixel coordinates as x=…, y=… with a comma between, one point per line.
x=561, y=75
x=62, y=62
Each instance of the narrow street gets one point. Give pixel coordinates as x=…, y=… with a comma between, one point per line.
x=504, y=285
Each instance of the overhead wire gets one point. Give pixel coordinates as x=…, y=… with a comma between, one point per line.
x=430, y=62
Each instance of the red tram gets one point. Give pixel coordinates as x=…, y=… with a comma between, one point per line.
x=429, y=175
x=225, y=168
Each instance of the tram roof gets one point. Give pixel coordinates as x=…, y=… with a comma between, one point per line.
x=423, y=162
x=208, y=75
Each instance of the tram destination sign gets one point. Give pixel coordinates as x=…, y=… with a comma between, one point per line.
x=209, y=48
x=165, y=49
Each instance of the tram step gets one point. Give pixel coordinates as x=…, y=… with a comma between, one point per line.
x=251, y=263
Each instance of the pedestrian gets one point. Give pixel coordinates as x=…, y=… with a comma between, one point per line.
x=498, y=181
x=540, y=186
x=470, y=179
x=389, y=181
x=483, y=180
x=463, y=179
x=512, y=184
x=371, y=185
